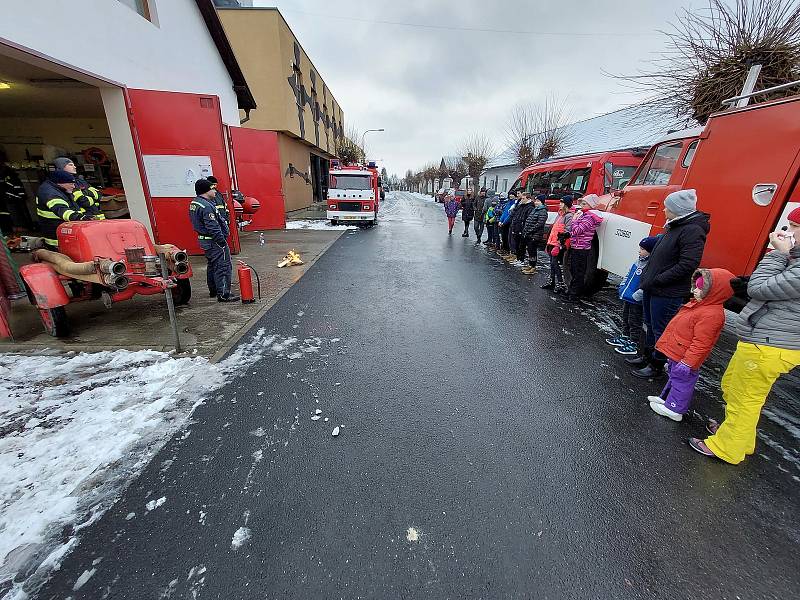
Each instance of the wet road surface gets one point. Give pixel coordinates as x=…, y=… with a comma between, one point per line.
x=492, y=446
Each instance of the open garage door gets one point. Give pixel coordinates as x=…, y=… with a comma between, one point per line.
x=257, y=165
x=180, y=139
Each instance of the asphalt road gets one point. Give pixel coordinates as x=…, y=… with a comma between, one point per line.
x=492, y=447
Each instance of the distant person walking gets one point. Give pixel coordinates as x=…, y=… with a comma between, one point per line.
x=467, y=212
x=666, y=280
x=451, y=207
x=769, y=346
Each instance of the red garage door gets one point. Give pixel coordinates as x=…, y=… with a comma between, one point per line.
x=258, y=174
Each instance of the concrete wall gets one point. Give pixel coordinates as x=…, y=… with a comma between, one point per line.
x=106, y=38
x=297, y=193
x=264, y=47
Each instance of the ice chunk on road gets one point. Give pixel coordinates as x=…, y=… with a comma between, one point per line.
x=241, y=537
x=335, y=431
x=81, y=581
x=154, y=504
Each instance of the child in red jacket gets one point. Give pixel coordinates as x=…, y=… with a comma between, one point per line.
x=689, y=338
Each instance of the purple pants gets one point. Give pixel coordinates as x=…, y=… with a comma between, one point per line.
x=678, y=392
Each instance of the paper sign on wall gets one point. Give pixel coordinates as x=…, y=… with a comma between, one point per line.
x=173, y=176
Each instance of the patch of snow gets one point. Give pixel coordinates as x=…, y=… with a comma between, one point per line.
x=81, y=581
x=240, y=537
x=335, y=431
x=154, y=504
x=130, y=515
x=412, y=535
x=258, y=455
x=316, y=225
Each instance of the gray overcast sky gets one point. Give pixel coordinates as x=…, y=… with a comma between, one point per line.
x=430, y=88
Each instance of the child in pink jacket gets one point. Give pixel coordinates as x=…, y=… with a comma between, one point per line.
x=581, y=233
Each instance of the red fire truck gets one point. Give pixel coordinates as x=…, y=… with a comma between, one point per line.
x=598, y=173
x=744, y=164
x=354, y=194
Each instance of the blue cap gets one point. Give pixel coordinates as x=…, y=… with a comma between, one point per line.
x=62, y=177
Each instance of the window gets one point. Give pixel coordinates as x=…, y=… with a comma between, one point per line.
x=620, y=176
x=687, y=160
x=659, y=168
x=505, y=185
x=558, y=182
x=350, y=182
x=140, y=6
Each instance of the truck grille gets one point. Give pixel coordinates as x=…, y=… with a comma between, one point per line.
x=355, y=206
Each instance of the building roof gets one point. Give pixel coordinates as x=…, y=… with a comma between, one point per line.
x=244, y=96
x=630, y=127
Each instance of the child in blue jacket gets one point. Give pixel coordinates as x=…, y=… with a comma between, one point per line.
x=631, y=341
x=504, y=223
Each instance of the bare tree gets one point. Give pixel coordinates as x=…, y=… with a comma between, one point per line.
x=408, y=180
x=552, y=136
x=430, y=172
x=456, y=169
x=521, y=133
x=347, y=148
x=476, y=151
x=710, y=51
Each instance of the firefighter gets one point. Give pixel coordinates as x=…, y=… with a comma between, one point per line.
x=86, y=196
x=55, y=205
x=219, y=200
x=212, y=233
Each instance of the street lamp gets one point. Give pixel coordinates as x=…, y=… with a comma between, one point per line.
x=363, y=135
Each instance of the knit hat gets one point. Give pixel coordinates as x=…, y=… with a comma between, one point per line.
x=212, y=179
x=541, y=197
x=60, y=176
x=201, y=186
x=794, y=216
x=649, y=243
x=591, y=199
x=61, y=162
x=681, y=203
x=567, y=200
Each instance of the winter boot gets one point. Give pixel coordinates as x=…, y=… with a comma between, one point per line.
x=550, y=285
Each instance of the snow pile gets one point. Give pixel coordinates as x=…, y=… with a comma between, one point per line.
x=423, y=197
x=316, y=225
x=76, y=428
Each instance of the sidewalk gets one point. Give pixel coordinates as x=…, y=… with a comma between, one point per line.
x=207, y=327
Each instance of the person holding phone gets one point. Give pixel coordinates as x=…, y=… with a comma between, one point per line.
x=769, y=346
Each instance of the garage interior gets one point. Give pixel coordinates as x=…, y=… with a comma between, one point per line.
x=44, y=115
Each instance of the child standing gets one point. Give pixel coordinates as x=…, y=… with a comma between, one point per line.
x=581, y=230
x=491, y=224
x=632, y=340
x=505, y=223
x=451, y=206
x=689, y=338
x=555, y=247
x=533, y=232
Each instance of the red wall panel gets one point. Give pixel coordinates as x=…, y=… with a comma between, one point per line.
x=258, y=174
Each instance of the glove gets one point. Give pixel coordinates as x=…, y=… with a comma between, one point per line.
x=555, y=251
x=638, y=295
x=681, y=369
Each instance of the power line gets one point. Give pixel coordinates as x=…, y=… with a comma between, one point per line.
x=471, y=29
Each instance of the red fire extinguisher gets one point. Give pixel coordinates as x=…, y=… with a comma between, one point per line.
x=245, y=272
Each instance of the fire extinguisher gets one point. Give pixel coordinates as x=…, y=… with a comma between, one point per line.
x=245, y=272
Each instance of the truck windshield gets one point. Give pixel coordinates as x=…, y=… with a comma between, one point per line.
x=558, y=181
x=350, y=182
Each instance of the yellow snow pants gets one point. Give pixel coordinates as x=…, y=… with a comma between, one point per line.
x=745, y=386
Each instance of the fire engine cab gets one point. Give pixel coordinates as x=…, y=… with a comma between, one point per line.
x=354, y=195
x=744, y=164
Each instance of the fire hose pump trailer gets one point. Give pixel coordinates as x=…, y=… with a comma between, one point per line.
x=113, y=259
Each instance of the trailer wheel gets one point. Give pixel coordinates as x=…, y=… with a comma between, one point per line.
x=182, y=292
x=55, y=321
x=595, y=278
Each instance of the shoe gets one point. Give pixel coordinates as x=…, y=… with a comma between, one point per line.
x=550, y=285
x=464, y=235
x=620, y=340
x=639, y=361
x=212, y=294
x=655, y=399
x=228, y=298
x=529, y=270
x=628, y=350
x=662, y=410
x=647, y=372
x=699, y=445
x=712, y=426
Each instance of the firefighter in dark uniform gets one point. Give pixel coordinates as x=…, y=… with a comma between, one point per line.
x=219, y=200
x=55, y=205
x=86, y=196
x=212, y=233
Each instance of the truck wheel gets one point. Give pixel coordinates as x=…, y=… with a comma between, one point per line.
x=595, y=278
x=182, y=292
x=55, y=321
x=334, y=222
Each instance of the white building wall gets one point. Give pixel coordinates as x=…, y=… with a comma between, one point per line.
x=106, y=38
x=500, y=173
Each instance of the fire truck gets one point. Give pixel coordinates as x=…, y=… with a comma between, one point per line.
x=597, y=173
x=354, y=194
x=744, y=164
